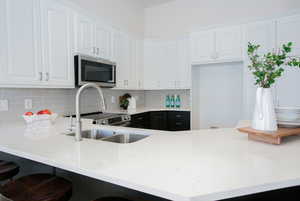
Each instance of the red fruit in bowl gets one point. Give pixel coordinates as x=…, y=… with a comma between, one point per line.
x=28, y=113
x=44, y=112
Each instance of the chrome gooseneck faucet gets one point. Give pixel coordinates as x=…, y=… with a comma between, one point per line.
x=78, y=136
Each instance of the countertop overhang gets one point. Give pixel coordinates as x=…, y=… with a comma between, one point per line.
x=183, y=166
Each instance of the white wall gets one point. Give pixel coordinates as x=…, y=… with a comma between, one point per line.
x=128, y=15
x=181, y=16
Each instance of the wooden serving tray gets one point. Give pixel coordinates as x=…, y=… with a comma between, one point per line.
x=269, y=137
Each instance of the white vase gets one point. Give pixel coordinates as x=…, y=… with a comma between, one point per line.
x=264, y=113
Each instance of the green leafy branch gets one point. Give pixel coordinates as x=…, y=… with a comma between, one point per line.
x=268, y=67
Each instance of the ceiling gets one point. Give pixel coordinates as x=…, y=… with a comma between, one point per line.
x=150, y=3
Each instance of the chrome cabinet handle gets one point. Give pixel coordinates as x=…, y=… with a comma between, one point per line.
x=40, y=76
x=98, y=51
x=47, y=76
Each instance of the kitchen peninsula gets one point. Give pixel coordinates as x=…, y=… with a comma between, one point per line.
x=183, y=166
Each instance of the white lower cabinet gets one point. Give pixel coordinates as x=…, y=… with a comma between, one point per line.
x=20, y=43
x=57, y=44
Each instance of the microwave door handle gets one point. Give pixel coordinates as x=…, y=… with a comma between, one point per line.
x=113, y=74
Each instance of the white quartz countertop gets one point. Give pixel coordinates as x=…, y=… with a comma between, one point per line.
x=202, y=165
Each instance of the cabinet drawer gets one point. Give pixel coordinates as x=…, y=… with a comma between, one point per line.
x=178, y=115
x=178, y=120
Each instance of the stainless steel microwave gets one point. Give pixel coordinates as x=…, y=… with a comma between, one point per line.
x=94, y=70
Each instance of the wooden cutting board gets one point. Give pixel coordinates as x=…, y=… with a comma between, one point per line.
x=269, y=137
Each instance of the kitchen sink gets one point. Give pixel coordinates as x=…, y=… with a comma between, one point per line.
x=111, y=136
x=125, y=138
x=95, y=134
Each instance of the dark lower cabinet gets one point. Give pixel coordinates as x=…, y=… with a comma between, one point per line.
x=159, y=120
x=179, y=120
x=286, y=194
x=162, y=120
x=141, y=120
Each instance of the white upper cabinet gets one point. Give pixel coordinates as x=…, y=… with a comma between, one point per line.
x=37, y=50
x=183, y=80
x=215, y=46
x=136, y=64
x=263, y=34
x=151, y=65
x=104, y=42
x=288, y=30
x=20, y=43
x=123, y=61
x=94, y=39
x=85, y=35
x=229, y=44
x=129, y=53
x=57, y=37
x=166, y=64
x=203, y=46
x=260, y=33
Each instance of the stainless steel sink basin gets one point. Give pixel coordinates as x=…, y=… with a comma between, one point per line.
x=96, y=134
x=111, y=136
x=125, y=138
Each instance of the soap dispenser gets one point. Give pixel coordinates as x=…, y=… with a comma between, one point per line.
x=172, y=101
x=167, y=101
x=177, y=101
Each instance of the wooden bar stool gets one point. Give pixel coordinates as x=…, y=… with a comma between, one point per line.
x=38, y=187
x=8, y=170
x=112, y=199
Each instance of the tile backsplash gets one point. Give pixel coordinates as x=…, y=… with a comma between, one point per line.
x=156, y=99
x=62, y=101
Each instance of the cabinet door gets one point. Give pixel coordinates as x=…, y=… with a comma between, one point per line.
x=263, y=34
x=136, y=64
x=152, y=59
x=140, y=120
x=171, y=65
x=85, y=29
x=203, y=47
x=158, y=120
x=103, y=42
x=229, y=44
x=123, y=61
x=20, y=43
x=288, y=30
x=183, y=80
x=57, y=44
